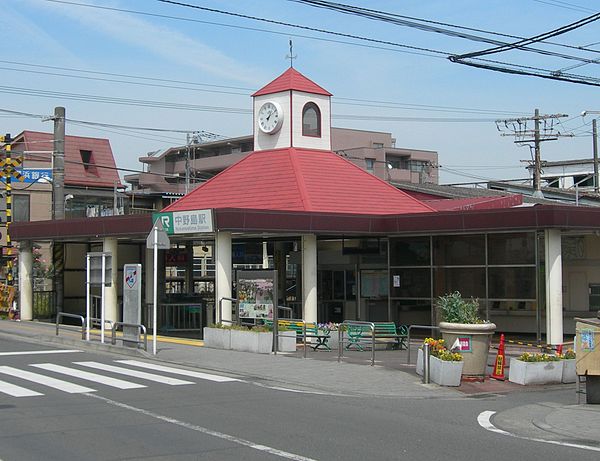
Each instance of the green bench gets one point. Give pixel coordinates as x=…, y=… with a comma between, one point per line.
x=312, y=331
x=385, y=333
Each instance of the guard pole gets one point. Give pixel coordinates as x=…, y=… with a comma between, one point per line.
x=155, y=289
x=498, y=372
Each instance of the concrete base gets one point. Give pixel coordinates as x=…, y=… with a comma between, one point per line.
x=525, y=373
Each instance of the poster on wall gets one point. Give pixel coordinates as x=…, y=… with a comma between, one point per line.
x=256, y=294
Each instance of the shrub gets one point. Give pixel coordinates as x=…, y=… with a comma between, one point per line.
x=455, y=309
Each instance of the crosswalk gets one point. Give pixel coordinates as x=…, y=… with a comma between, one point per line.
x=103, y=375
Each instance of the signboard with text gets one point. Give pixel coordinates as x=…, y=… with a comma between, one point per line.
x=185, y=222
x=257, y=294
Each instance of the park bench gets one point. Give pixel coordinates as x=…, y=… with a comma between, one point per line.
x=311, y=331
x=385, y=333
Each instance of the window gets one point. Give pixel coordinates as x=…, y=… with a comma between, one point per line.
x=88, y=162
x=369, y=164
x=377, y=145
x=311, y=120
x=20, y=208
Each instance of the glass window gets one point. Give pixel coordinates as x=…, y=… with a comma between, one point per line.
x=459, y=250
x=20, y=208
x=311, y=120
x=469, y=281
x=409, y=251
x=410, y=283
x=513, y=248
x=512, y=282
x=369, y=164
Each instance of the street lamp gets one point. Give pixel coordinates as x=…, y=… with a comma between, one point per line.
x=67, y=197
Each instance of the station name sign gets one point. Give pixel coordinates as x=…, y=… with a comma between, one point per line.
x=185, y=222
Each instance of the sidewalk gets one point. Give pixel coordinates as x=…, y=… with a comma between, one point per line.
x=320, y=372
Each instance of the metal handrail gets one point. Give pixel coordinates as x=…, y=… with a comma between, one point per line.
x=350, y=323
x=286, y=309
x=422, y=327
x=218, y=317
x=72, y=316
x=142, y=328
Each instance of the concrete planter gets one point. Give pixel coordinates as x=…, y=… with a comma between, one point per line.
x=441, y=372
x=535, y=372
x=445, y=373
x=569, y=375
x=217, y=338
x=286, y=341
x=479, y=334
x=251, y=341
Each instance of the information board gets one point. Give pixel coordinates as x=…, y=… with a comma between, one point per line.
x=256, y=294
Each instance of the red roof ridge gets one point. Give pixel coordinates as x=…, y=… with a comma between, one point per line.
x=291, y=79
x=304, y=196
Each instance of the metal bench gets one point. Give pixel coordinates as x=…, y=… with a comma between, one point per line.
x=383, y=333
x=305, y=330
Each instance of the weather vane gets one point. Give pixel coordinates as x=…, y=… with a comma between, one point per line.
x=291, y=56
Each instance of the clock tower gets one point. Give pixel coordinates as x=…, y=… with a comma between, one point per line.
x=292, y=111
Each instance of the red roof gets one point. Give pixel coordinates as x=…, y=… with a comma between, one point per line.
x=291, y=79
x=101, y=171
x=294, y=179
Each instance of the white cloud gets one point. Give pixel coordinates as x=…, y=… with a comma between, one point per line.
x=163, y=41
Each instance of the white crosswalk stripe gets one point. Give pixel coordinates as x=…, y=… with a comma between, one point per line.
x=177, y=371
x=16, y=391
x=86, y=375
x=59, y=384
x=134, y=373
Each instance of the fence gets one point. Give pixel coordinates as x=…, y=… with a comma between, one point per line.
x=44, y=305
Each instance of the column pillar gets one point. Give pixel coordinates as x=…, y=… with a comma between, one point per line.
x=309, y=277
x=554, y=305
x=26, y=280
x=111, y=300
x=223, y=267
x=148, y=270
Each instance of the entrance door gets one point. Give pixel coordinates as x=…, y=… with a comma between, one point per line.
x=578, y=292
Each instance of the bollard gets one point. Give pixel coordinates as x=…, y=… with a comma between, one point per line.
x=425, y=363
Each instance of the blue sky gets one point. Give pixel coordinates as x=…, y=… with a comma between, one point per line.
x=48, y=46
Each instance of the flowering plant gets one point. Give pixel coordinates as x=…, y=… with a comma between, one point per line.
x=331, y=326
x=438, y=349
x=567, y=355
x=538, y=357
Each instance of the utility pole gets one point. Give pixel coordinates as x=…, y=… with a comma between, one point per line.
x=518, y=128
x=58, y=197
x=595, y=146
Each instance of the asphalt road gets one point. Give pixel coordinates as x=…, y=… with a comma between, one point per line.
x=177, y=415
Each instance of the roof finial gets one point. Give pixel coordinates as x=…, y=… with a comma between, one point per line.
x=291, y=55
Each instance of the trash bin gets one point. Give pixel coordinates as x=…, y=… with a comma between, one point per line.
x=587, y=349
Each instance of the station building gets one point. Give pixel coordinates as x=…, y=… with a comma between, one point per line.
x=347, y=244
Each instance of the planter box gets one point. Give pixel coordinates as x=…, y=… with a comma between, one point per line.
x=445, y=373
x=251, y=341
x=535, y=372
x=217, y=338
x=478, y=336
x=286, y=341
x=568, y=374
x=440, y=371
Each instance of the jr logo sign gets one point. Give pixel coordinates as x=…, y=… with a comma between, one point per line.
x=131, y=276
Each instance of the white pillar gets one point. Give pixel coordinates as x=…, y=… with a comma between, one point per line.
x=265, y=256
x=554, y=306
x=148, y=270
x=223, y=267
x=309, y=277
x=111, y=300
x=26, y=280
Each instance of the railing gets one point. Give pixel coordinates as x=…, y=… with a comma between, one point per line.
x=276, y=334
x=97, y=322
x=359, y=328
x=422, y=327
x=180, y=317
x=71, y=316
x=139, y=326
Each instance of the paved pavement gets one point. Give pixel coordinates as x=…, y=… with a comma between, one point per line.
x=321, y=372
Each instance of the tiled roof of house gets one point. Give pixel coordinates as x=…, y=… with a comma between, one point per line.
x=100, y=172
x=291, y=79
x=293, y=179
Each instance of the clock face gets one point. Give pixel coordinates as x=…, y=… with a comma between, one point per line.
x=270, y=117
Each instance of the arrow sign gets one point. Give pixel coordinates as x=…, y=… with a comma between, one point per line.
x=158, y=236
